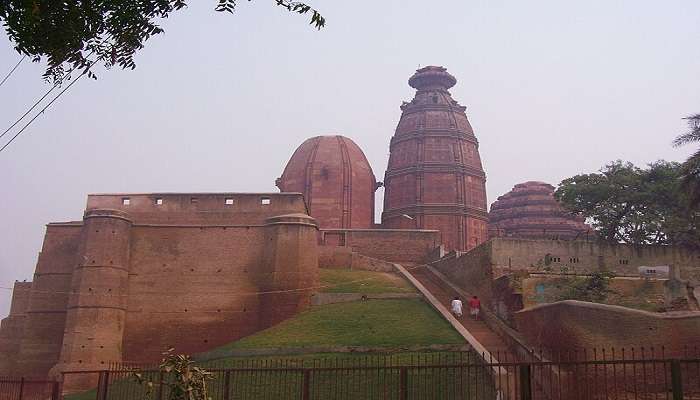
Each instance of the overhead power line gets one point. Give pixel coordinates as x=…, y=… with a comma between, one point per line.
x=46, y=106
x=13, y=69
x=55, y=85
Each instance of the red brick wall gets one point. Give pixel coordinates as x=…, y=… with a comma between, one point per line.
x=164, y=284
x=385, y=244
x=340, y=257
x=209, y=208
x=198, y=279
x=11, y=326
x=44, y=324
x=568, y=325
x=471, y=271
x=590, y=256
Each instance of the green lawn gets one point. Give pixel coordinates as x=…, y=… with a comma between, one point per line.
x=358, y=281
x=281, y=379
x=379, y=323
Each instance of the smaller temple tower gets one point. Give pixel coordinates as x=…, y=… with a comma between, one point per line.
x=530, y=211
x=336, y=180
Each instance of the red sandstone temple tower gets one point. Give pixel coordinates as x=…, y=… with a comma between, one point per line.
x=337, y=182
x=434, y=179
x=530, y=211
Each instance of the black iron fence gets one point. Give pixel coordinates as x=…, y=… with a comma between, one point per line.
x=448, y=376
x=28, y=389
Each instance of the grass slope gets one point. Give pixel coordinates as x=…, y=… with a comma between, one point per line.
x=380, y=323
x=357, y=281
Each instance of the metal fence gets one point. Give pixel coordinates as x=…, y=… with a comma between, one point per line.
x=28, y=389
x=610, y=374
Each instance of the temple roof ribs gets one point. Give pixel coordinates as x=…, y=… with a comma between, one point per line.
x=530, y=210
x=336, y=180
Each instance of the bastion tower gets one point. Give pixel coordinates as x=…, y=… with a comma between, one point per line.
x=435, y=179
x=336, y=179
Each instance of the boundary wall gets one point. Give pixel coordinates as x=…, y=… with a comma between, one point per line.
x=570, y=325
x=128, y=282
x=394, y=245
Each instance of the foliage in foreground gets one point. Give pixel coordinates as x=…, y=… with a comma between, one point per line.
x=632, y=205
x=185, y=381
x=75, y=34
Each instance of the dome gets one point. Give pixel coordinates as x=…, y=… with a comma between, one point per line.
x=337, y=182
x=435, y=179
x=530, y=210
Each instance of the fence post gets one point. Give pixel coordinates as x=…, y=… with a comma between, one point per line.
x=21, y=388
x=102, y=389
x=676, y=381
x=403, y=383
x=54, y=391
x=306, y=392
x=227, y=388
x=161, y=382
x=525, y=382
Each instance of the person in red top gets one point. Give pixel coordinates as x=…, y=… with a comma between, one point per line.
x=474, y=307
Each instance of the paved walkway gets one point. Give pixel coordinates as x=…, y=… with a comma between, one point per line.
x=488, y=338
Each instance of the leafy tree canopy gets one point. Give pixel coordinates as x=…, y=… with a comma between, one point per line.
x=628, y=204
x=74, y=34
x=690, y=170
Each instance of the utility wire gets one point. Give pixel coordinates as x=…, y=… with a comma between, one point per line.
x=303, y=289
x=55, y=85
x=13, y=69
x=46, y=106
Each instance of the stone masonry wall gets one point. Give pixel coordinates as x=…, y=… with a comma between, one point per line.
x=397, y=245
x=568, y=325
x=582, y=256
x=189, y=285
x=471, y=271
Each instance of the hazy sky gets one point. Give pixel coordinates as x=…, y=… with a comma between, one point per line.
x=219, y=102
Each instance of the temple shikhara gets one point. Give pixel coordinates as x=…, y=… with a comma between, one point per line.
x=143, y=272
x=531, y=211
x=435, y=175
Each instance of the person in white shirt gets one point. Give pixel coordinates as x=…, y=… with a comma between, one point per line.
x=456, y=306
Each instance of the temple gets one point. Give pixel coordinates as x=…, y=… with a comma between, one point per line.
x=435, y=179
x=336, y=180
x=530, y=210
x=143, y=272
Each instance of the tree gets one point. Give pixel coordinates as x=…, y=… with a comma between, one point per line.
x=690, y=170
x=74, y=34
x=627, y=204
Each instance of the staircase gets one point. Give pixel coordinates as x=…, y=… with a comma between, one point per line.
x=499, y=350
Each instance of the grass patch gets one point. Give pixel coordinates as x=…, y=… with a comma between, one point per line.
x=281, y=379
x=379, y=323
x=359, y=281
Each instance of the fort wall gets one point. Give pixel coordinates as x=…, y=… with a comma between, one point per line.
x=583, y=256
x=11, y=326
x=472, y=272
x=42, y=335
x=567, y=325
x=121, y=288
x=396, y=245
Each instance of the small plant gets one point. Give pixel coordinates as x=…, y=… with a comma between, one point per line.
x=594, y=288
x=182, y=379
